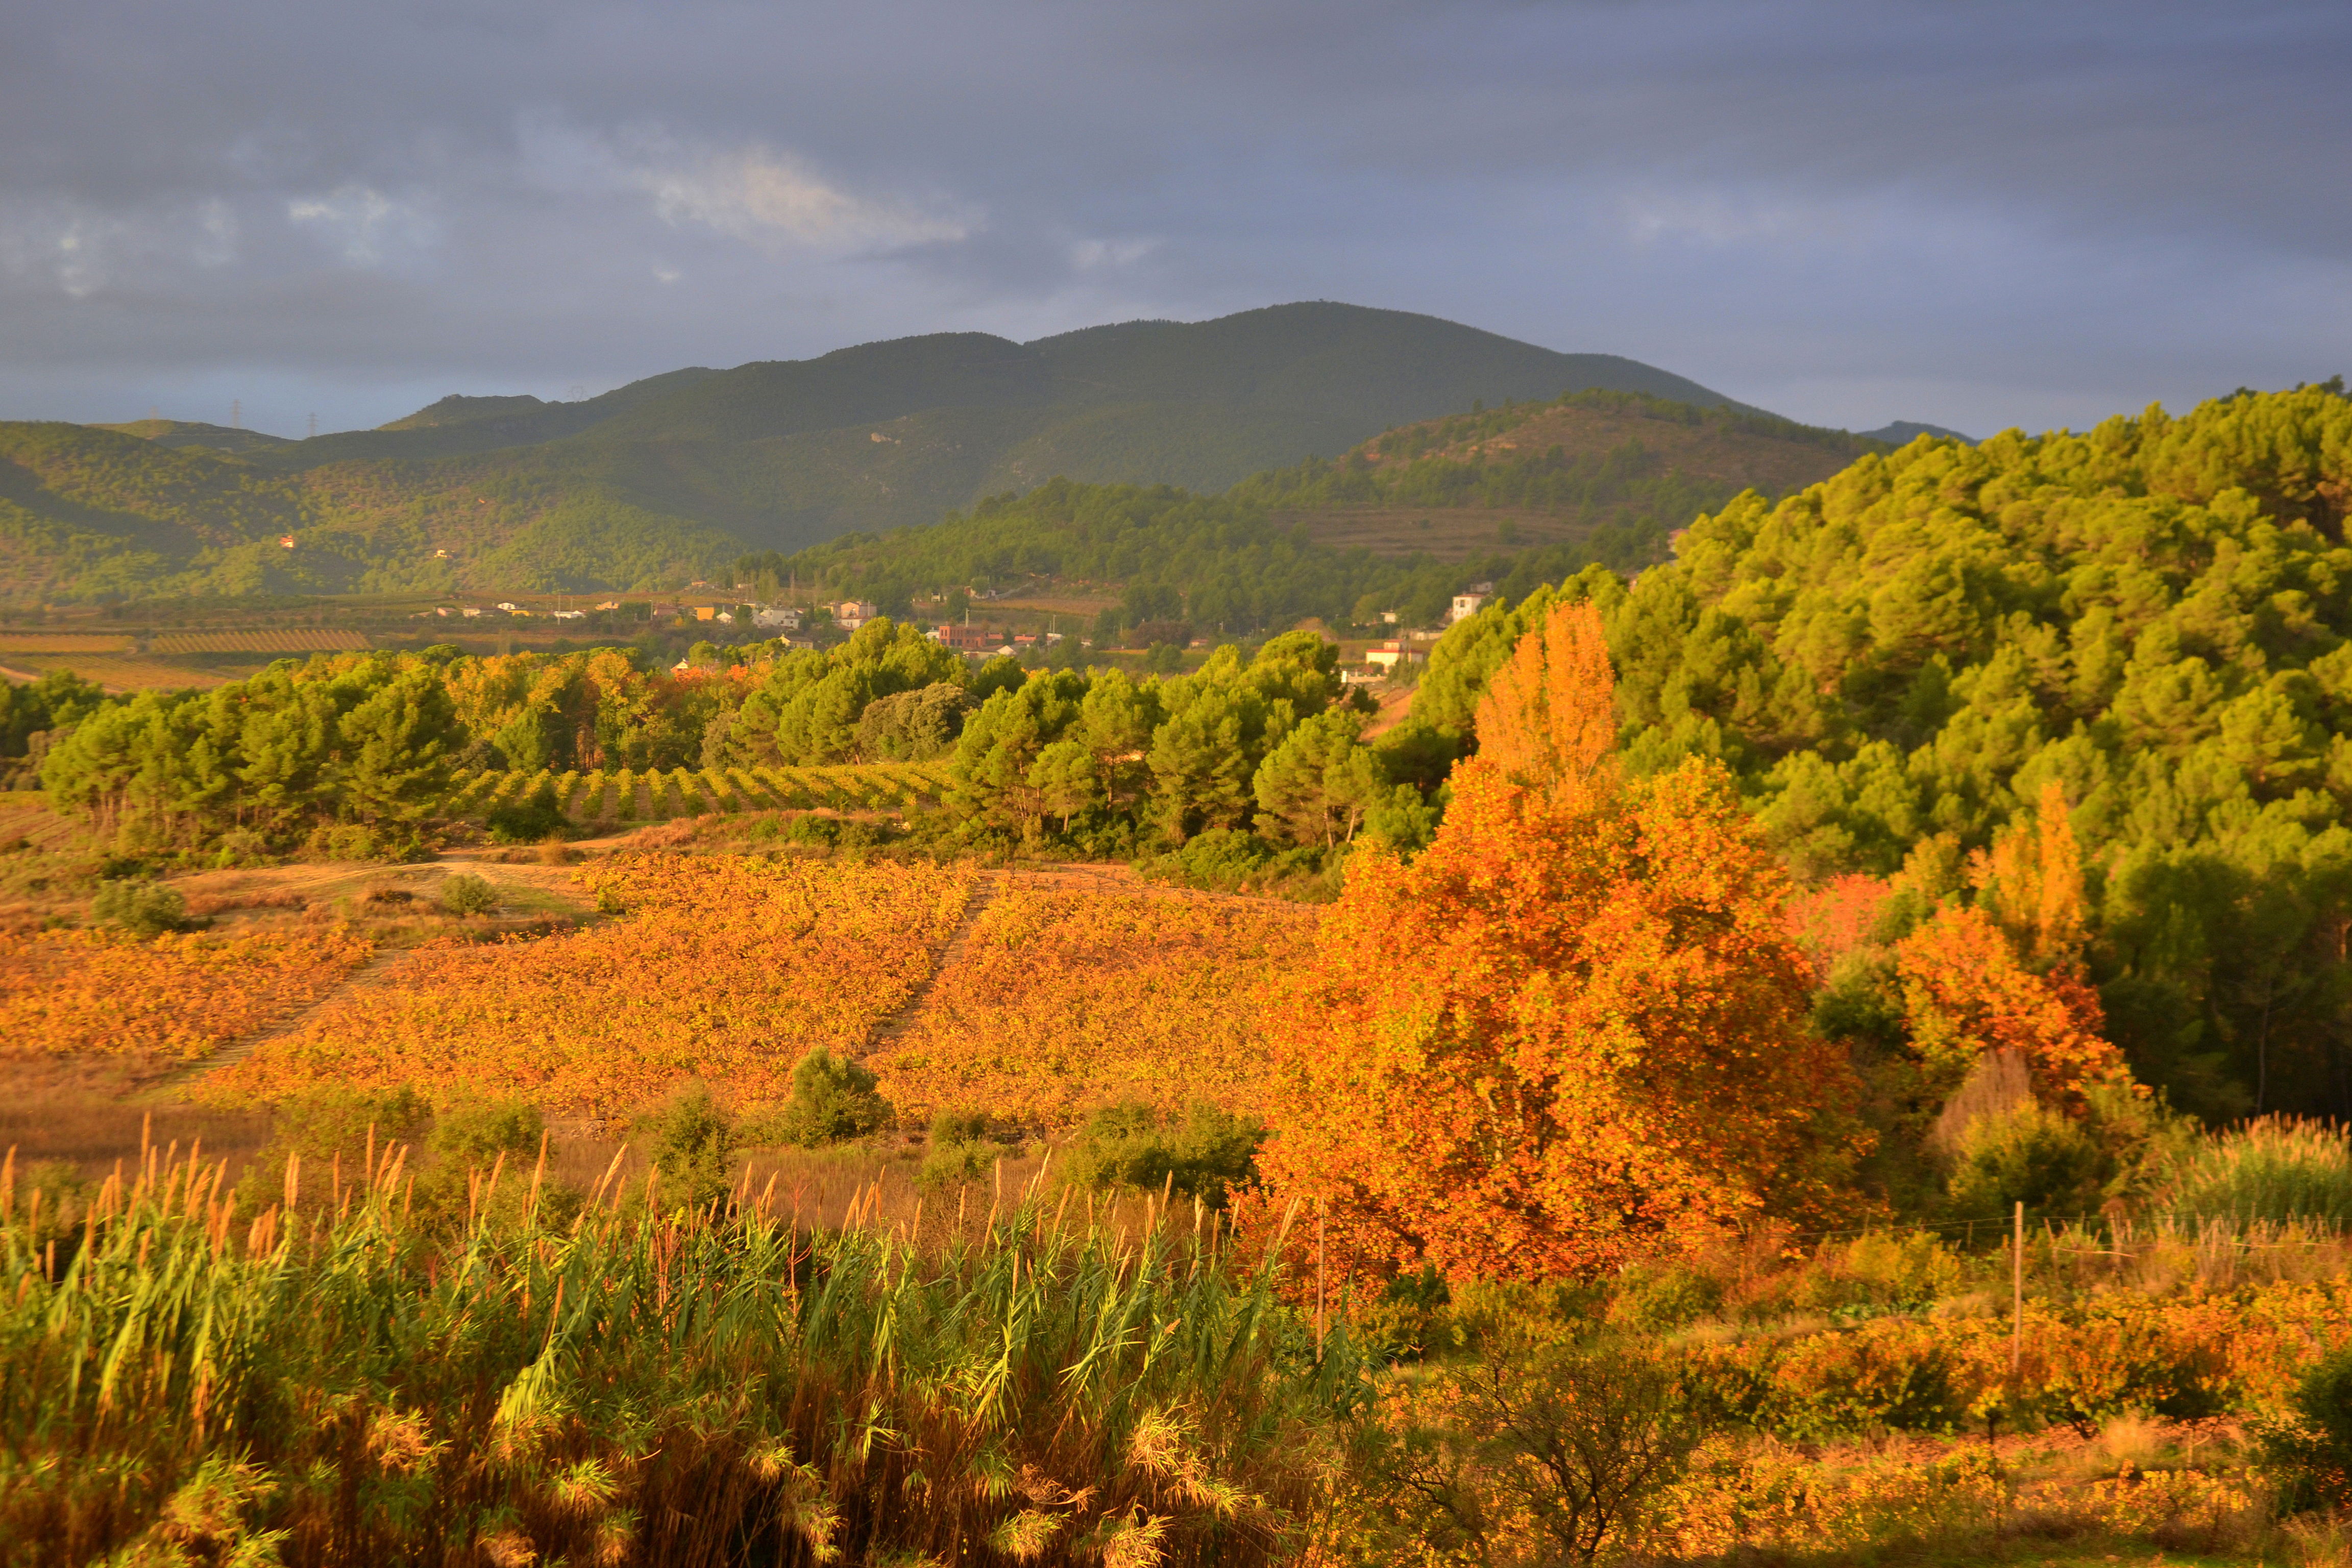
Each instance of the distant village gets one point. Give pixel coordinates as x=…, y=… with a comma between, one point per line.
x=1384, y=660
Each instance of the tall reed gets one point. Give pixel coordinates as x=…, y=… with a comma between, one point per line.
x=2276, y=1168
x=182, y=1383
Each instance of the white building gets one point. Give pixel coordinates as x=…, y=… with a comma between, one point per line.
x=1389, y=654
x=1466, y=605
x=851, y=614
x=776, y=617
x=571, y=614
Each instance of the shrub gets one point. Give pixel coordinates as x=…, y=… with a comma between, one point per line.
x=477, y=1131
x=528, y=819
x=1547, y=1454
x=2279, y=1168
x=466, y=894
x=962, y=1146
x=833, y=1100
x=1203, y=1156
x=2310, y=1455
x=1409, y=1318
x=142, y=908
x=356, y=841
x=692, y=1142
x=2028, y=1155
x=1658, y=1298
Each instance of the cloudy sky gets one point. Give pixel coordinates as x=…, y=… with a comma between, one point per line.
x=1978, y=215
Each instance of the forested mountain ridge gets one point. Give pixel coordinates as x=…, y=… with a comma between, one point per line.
x=1521, y=494
x=2156, y=614
x=673, y=475
x=1617, y=470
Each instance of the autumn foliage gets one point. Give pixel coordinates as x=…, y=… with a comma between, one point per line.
x=1573, y=1028
x=2006, y=973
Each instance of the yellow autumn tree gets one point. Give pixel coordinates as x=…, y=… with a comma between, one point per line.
x=1572, y=1030
x=2006, y=973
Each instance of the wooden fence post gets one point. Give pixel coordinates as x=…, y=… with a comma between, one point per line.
x=2017, y=1300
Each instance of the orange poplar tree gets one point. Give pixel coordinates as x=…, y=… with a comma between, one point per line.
x=2006, y=973
x=1571, y=1030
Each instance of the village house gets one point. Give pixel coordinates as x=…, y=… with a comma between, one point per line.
x=968, y=639
x=851, y=614
x=1466, y=605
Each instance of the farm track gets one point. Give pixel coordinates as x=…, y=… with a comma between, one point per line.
x=947, y=955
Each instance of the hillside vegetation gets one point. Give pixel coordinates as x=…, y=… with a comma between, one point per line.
x=668, y=478
x=2152, y=616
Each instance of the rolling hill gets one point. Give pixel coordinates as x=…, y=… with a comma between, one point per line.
x=670, y=477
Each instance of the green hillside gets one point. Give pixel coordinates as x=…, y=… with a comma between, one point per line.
x=2154, y=614
x=1520, y=494
x=671, y=476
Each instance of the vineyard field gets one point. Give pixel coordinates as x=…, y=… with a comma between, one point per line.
x=61, y=642
x=125, y=672
x=176, y=998
x=724, y=970
x=1062, y=1002
x=266, y=642
x=621, y=795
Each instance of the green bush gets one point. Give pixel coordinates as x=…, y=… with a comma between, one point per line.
x=142, y=908
x=2028, y=1155
x=692, y=1142
x=962, y=1146
x=528, y=819
x=477, y=1131
x=1409, y=1319
x=2309, y=1456
x=2279, y=1168
x=466, y=894
x=1659, y=1299
x=833, y=1099
x=1203, y=1156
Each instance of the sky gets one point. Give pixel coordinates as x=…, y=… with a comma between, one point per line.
x=1978, y=216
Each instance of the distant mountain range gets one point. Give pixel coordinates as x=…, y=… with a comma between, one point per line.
x=667, y=477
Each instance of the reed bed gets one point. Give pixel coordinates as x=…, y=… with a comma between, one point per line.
x=182, y=1382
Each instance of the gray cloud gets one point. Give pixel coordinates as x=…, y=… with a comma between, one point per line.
x=1979, y=214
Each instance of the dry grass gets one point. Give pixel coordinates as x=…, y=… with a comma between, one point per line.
x=95, y=1131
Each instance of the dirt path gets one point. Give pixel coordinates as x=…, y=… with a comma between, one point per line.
x=947, y=955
